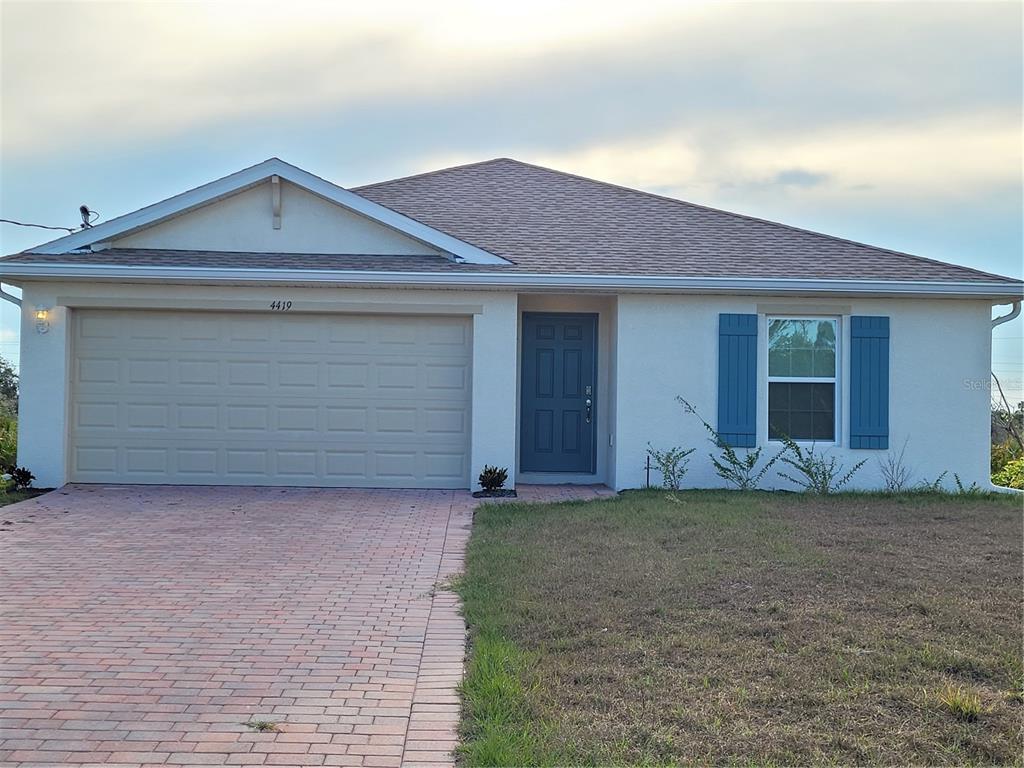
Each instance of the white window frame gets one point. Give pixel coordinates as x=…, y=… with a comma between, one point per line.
x=835, y=379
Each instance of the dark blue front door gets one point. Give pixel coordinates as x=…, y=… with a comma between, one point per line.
x=559, y=393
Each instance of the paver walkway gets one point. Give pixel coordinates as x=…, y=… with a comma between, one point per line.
x=148, y=625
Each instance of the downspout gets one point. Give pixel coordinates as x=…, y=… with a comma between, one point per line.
x=17, y=302
x=1007, y=317
x=1013, y=313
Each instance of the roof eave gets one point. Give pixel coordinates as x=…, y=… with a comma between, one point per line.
x=994, y=290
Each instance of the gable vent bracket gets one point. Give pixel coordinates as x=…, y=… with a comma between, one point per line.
x=275, y=186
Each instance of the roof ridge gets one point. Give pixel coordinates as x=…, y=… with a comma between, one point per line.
x=438, y=171
x=748, y=217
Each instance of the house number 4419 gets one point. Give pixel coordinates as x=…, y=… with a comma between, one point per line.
x=281, y=306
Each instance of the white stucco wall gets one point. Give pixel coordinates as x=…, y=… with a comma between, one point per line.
x=244, y=222
x=45, y=357
x=495, y=334
x=43, y=388
x=652, y=348
x=940, y=352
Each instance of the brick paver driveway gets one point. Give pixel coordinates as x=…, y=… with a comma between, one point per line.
x=148, y=625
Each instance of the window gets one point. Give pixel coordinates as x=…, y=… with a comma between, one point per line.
x=802, y=378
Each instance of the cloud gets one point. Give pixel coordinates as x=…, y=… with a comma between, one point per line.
x=530, y=72
x=798, y=177
x=915, y=162
x=155, y=69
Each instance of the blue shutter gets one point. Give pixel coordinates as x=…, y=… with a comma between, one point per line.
x=737, y=380
x=869, y=382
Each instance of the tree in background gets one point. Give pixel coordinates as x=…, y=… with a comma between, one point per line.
x=8, y=389
x=1007, y=422
x=1007, y=440
x=8, y=415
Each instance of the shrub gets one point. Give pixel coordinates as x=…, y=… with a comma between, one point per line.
x=21, y=478
x=1005, y=452
x=895, y=472
x=8, y=440
x=740, y=472
x=1011, y=475
x=816, y=472
x=671, y=464
x=492, y=478
x=965, y=705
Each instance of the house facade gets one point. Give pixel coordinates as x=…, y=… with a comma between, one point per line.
x=272, y=328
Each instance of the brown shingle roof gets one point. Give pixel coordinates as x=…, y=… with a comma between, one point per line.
x=553, y=223
x=548, y=221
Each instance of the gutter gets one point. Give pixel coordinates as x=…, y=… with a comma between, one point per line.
x=1013, y=313
x=9, y=296
x=495, y=280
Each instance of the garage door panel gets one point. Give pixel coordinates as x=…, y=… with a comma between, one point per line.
x=247, y=463
x=243, y=420
x=295, y=466
x=395, y=465
x=443, y=466
x=250, y=399
x=148, y=328
x=348, y=375
x=97, y=370
x=247, y=331
x=249, y=328
x=350, y=420
x=301, y=374
x=198, y=464
x=297, y=463
x=397, y=376
x=248, y=373
x=147, y=416
x=96, y=326
x=304, y=419
x=202, y=417
x=446, y=421
x=146, y=460
x=95, y=416
x=96, y=458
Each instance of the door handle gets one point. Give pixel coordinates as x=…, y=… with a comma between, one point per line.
x=590, y=408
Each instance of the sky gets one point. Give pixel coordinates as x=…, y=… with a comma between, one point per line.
x=895, y=124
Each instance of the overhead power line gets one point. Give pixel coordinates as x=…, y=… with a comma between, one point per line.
x=89, y=217
x=39, y=226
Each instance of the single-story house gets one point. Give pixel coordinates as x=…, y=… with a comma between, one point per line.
x=273, y=328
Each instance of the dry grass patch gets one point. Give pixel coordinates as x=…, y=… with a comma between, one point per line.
x=727, y=628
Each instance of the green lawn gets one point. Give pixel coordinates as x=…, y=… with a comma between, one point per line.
x=728, y=628
x=13, y=497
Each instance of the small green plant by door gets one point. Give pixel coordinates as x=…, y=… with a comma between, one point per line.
x=493, y=478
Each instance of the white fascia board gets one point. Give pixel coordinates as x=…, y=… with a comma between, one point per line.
x=249, y=177
x=512, y=281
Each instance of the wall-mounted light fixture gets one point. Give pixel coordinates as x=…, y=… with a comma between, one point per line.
x=42, y=319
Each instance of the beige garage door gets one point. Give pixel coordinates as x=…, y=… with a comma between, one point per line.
x=265, y=399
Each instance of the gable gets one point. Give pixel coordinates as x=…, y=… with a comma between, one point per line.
x=319, y=225
x=245, y=221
